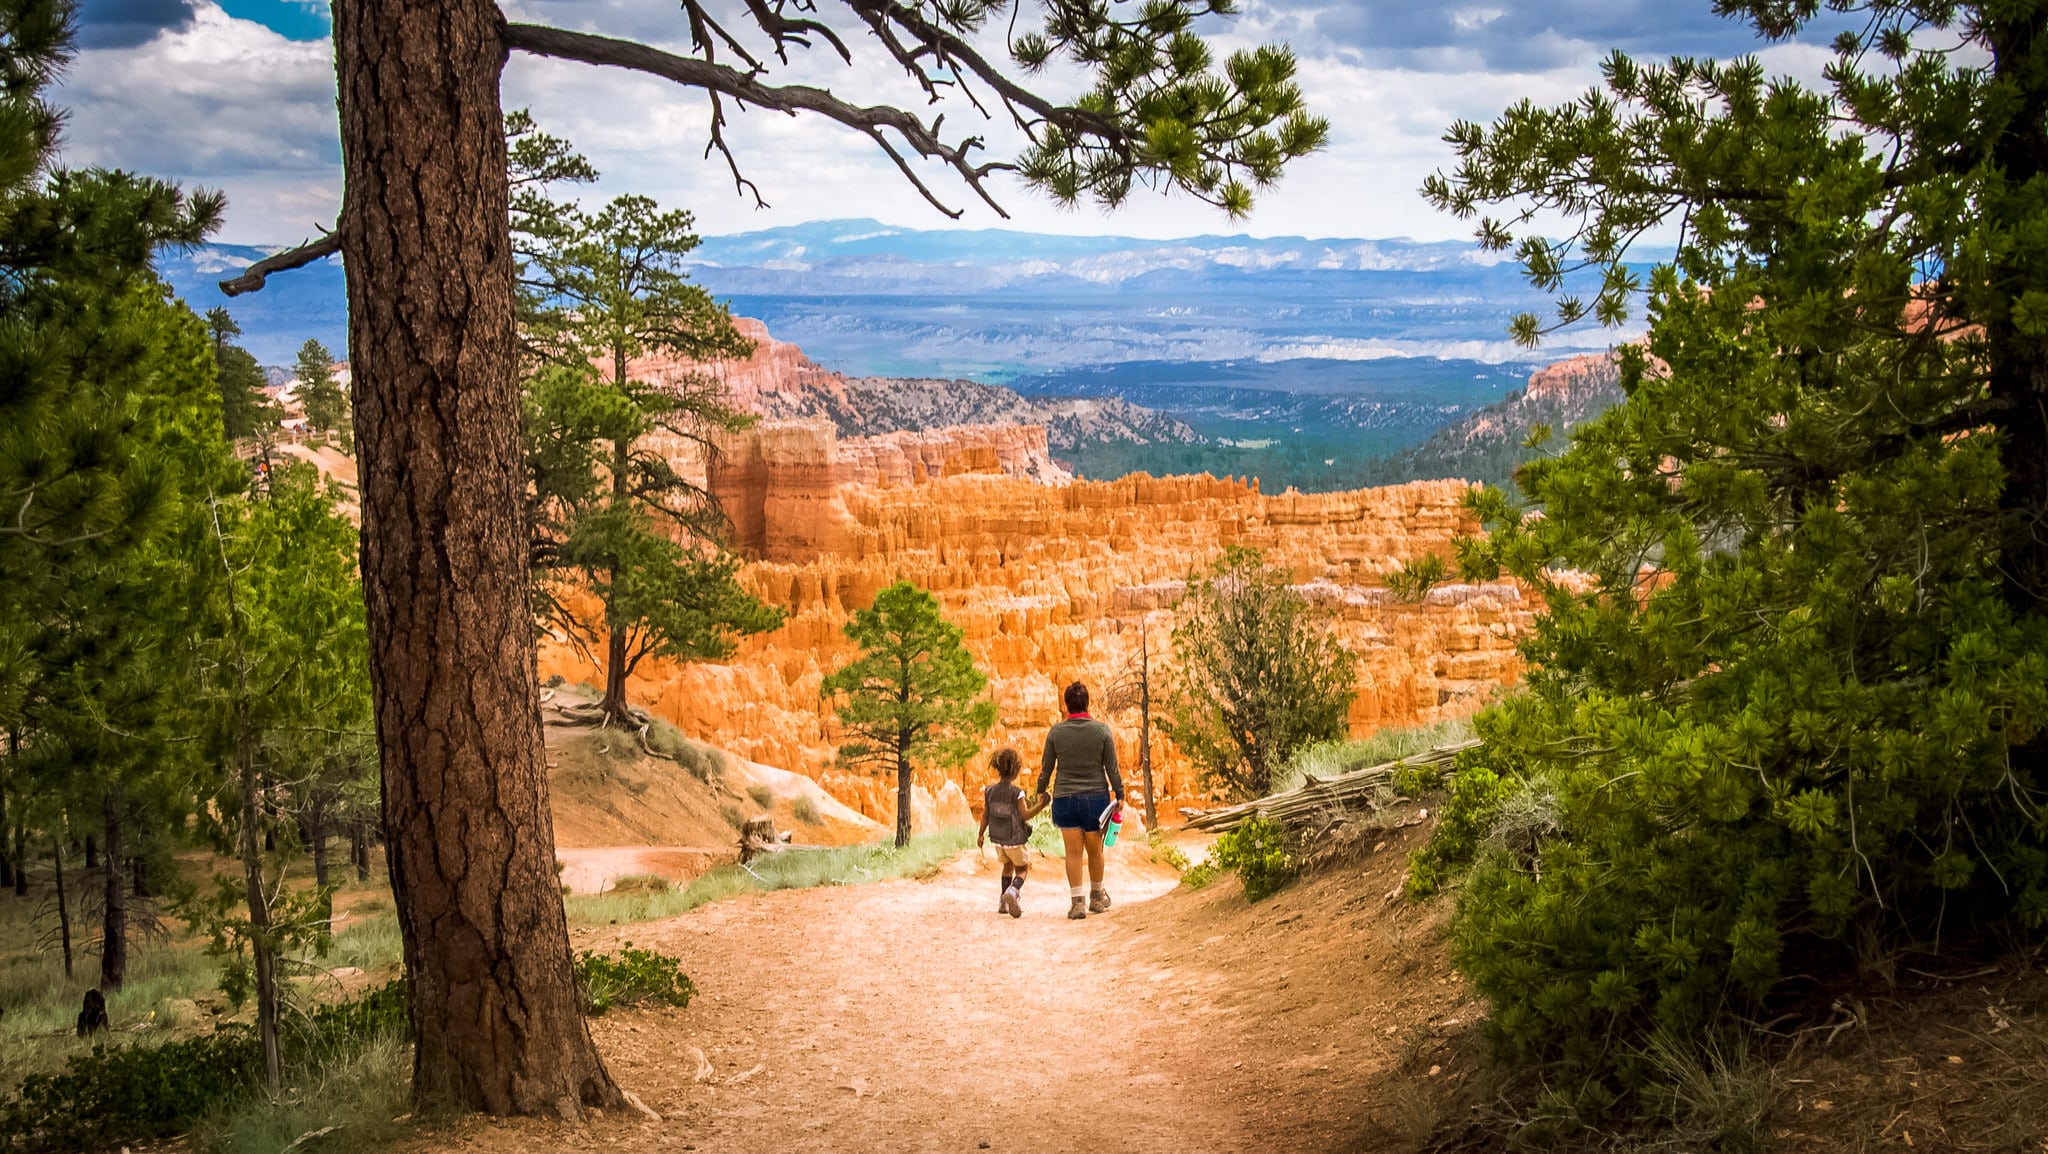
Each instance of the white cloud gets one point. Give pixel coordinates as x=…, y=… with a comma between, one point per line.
x=220, y=103
x=227, y=103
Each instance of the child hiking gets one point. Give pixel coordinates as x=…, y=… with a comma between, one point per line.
x=1004, y=814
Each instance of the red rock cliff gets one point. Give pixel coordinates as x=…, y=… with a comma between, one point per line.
x=1052, y=583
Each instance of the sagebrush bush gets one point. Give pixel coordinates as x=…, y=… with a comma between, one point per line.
x=806, y=811
x=1261, y=853
x=632, y=977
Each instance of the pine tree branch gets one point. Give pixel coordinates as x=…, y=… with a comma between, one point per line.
x=872, y=121
x=252, y=278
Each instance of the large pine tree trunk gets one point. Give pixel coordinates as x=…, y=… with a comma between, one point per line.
x=428, y=257
x=114, y=926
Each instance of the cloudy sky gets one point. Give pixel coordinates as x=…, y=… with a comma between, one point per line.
x=239, y=95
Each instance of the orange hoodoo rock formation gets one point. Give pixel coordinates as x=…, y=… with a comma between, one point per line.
x=1052, y=580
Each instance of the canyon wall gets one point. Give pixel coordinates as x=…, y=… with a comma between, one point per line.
x=1052, y=580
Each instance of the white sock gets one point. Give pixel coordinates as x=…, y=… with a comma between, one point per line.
x=1078, y=891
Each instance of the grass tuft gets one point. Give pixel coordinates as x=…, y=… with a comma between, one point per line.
x=806, y=811
x=794, y=869
x=1334, y=757
x=357, y=1098
x=762, y=795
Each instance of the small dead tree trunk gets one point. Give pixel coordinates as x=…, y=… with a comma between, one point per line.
x=359, y=848
x=21, y=856
x=7, y=856
x=63, y=904
x=1145, y=727
x=316, y=838
x=92, y=853
x=114, y=925
x=253, y=811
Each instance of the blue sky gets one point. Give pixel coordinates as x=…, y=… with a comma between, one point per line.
x=238, y=95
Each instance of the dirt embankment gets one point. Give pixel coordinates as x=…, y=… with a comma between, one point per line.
x=626, y=803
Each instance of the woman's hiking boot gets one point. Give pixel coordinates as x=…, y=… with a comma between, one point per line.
x=1098, y=900
x=1078, y=910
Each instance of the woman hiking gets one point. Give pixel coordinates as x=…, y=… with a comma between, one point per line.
x=1079, y=769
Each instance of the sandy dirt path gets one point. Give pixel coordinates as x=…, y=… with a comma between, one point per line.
x=910, y=1016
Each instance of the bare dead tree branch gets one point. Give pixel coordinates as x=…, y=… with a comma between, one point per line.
x=786, y=31
x=252, y=277
x=872, y=121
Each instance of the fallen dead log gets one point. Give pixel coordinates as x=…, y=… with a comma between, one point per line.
x=1315, y=798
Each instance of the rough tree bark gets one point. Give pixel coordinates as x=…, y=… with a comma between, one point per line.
x=428, y=254
x=903, y=791
x=114, y=925
x=615, y=656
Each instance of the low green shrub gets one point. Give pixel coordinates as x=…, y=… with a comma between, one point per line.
x=144, y=1093
x=806, y=811
x=1199, y=875
x=732, y=815
x=762, y=795
x=1170, y=855
x=632, y=977
x=1260, y=852
x=121, y=1094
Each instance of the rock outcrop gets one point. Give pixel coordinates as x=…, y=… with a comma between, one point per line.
x=779, y=382
x=1051, y=582
x=1489, y=444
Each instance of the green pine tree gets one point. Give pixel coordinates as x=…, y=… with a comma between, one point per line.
x=1256, y=674
x=320, y=394
x=245, y=410
x=913, y=694
x=610, y=516
x=1795, y=718
x=109, y=423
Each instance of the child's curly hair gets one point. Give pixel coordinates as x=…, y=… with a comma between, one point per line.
x=1007, y=764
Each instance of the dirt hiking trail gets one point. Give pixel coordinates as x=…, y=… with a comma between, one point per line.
x=910, y=1016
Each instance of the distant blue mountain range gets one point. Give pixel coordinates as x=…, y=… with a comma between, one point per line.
x=871, y=300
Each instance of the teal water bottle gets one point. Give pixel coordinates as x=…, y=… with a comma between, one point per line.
x=1112, y=823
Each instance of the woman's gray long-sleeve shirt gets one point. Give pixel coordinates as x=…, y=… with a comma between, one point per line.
x=1081, y=752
